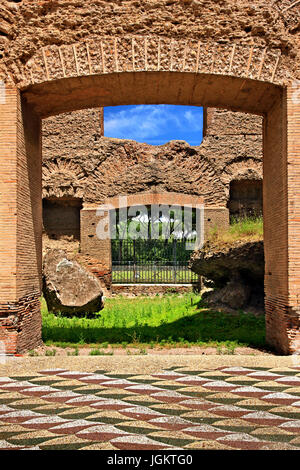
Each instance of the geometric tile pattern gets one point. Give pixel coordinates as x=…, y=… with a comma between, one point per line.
x=223, y=408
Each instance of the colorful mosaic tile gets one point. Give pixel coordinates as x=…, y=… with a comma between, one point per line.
x=226, y=408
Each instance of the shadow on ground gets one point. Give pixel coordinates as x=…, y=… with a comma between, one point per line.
x=203, y=327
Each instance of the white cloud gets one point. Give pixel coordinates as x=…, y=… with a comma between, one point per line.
x=153, y=124
x=194, y=119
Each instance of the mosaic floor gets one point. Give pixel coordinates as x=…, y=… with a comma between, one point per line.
x=224, y=408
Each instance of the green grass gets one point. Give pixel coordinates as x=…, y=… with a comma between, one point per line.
x=168, y=320
x=244, y=229
x=163, y=274
x=99, y=352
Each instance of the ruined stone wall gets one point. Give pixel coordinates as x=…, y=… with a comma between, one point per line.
x=78, y=162
x=61, y=218
x=234, y=143
x=25, y=24
x=246, y=198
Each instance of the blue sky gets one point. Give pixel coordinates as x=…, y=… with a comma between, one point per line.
x=154, y=124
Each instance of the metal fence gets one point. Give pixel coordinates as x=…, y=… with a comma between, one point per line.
x=151, y=262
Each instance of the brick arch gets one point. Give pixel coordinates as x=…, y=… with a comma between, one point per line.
x=62, y=179
x=238, y=77
x=150, y=54
x=186, y=172
x=150, y=198
x=240, y=169
x=27, y=30
x=140, y=70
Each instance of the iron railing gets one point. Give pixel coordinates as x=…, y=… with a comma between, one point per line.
x=151, y=262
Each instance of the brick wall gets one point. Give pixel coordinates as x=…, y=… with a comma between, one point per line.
x=21, y=221
x=276, y=227
x=293, y=212
x=8, y=201
x=95, y=254
x=215, y=217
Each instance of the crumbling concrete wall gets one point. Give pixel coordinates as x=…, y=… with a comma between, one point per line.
x=233, y=142
x=61, y=218
x=25, y=24
x=78, y=162
x=245, y=198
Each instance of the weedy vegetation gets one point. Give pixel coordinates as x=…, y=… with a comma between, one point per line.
x=162, y=321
